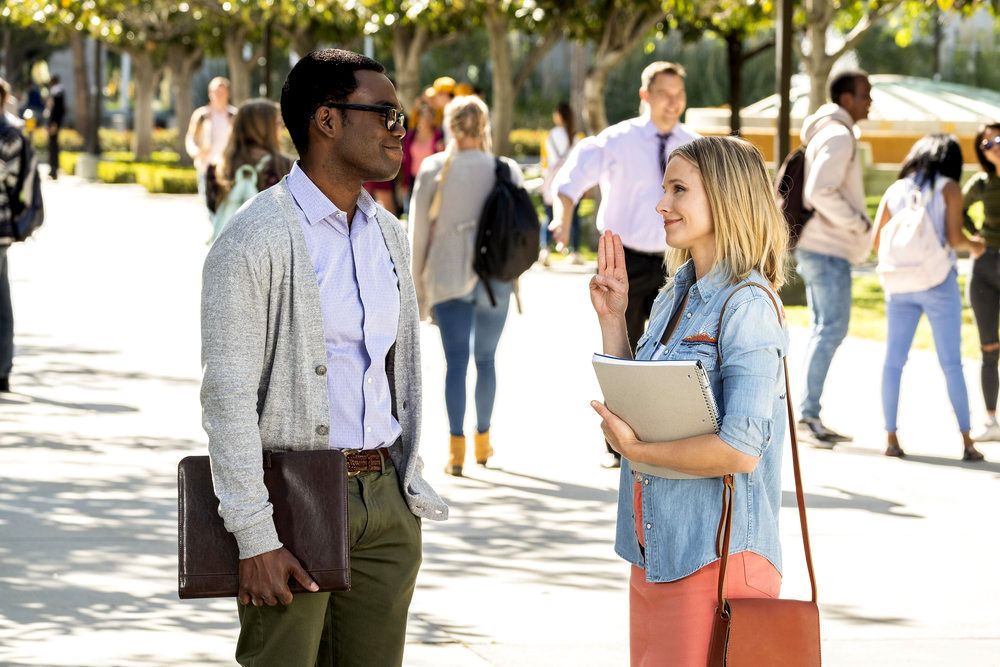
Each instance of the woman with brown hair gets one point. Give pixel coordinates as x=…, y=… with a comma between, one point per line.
x=252, y=161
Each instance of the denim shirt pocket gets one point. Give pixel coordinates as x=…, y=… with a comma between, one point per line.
x=704, y=351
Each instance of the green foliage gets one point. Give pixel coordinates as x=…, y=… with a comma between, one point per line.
x=526, y=142
x=868, y=317
x=112, y=141
x=157, y=177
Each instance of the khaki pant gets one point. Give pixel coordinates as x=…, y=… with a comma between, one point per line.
x=365, y=626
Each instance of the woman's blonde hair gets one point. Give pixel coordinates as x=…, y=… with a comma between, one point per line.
x=467, y=117
x=255, y=132
x=750, y=231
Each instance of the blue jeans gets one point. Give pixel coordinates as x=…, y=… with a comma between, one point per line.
x=574, y=229
x=6, y=318
x=471, y=324
x=943, y=306
x=828, y=291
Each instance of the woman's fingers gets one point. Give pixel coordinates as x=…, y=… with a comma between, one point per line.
x=619, y=253
x=609, y=283
x=602, y=265
x=609, y=251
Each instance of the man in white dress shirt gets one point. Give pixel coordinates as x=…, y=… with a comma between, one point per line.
x=627, y=161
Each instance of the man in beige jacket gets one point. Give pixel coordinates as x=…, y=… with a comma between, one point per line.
x=835, y=236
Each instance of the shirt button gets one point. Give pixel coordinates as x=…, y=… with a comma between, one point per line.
x=369, y=380
x=322, y=429
x=368, y=430
x=649, y=526
x=321, y=370
x=689, y=316
x=646, y=482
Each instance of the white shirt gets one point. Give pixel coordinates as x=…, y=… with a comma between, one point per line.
x=623, y=161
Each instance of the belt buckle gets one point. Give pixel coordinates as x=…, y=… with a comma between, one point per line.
x=347, y=453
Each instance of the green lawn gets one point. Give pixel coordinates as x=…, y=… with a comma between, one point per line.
x=868, y=317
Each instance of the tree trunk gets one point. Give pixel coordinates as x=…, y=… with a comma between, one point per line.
x=183, y=62
x=819, y=16
x=578, y=78
x=144, y=72
x=503, y=81
x=734, y=52
x=81, y=84
x=594, y=115
x=408, y=44
x=239, y=69
x=623, y=28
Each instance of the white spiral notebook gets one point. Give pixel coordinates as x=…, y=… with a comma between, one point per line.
x=660, y=400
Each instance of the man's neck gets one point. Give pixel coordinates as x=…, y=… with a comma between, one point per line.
x=664, y=128
x=218, y=107
x=343, y=192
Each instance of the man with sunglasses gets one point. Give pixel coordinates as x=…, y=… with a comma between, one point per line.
x=310, y=341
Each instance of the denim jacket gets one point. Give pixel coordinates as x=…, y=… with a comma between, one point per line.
x=681, y=517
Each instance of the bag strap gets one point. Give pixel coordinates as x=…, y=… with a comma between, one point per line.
x=729, y=483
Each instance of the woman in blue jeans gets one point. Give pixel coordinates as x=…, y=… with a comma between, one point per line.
x=448, y=196
x=929, y=176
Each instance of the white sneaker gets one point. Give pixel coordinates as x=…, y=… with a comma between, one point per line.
x=989, y=432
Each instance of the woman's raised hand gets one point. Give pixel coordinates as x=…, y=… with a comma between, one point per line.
x=609, y=288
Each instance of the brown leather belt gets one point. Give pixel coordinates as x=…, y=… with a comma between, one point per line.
x=367, y=460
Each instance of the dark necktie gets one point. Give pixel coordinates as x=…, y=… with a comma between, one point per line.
x=663, y=153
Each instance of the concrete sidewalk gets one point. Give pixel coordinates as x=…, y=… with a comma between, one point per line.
x=106, y=403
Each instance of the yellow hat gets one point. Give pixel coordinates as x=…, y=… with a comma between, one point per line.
x=429, y=92
x=444, y=84
x=464, y=89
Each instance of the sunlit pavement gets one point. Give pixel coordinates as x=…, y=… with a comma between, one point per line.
x=106, y=403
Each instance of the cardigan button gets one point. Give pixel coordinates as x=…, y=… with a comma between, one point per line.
x=321, y=370
x=322, y=429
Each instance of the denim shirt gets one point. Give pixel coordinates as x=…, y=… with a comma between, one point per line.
x=681, y=516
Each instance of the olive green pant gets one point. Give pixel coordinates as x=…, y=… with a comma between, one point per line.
x=365, y=626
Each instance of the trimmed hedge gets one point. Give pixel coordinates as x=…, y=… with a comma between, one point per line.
x=158, y=177
x=111, y=140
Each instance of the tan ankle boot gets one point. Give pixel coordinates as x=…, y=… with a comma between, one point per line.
x=456, y=456
x=483, y=449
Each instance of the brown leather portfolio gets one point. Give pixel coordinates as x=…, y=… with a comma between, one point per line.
x=309, y=493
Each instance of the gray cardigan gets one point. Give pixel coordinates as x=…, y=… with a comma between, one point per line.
x=262, y=344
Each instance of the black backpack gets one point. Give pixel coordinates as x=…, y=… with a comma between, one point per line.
x=25, y=200
x=788, y=185
x=507, y=240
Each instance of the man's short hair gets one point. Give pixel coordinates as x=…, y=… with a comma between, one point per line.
x=845, y=81
x=320, y=77
x=219, y=81
x=4, y=93
x=653, y=70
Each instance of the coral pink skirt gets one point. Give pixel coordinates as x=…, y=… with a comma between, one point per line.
x=671, y=623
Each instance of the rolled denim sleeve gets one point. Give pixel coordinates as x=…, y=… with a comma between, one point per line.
x=753, y=343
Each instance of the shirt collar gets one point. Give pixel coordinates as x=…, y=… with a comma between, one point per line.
x=316, y=206
x=704, y=288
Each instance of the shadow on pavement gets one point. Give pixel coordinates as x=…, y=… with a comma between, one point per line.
x=96, y=551
x=847, y=614
x=542, y=532
x=848, y=500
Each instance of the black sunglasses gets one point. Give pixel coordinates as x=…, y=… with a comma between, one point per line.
x=393, y=117
x=987, y=144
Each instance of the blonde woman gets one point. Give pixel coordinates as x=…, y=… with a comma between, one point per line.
x=723, y=227
x=448, y=196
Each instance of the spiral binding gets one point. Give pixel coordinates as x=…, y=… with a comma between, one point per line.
x=706, y=392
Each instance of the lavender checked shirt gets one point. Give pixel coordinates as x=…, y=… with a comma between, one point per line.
x=359, y=297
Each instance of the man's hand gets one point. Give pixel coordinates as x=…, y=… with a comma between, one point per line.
x=264, y=578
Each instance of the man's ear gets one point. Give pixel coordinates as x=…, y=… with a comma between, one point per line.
x=329, y=122
x=644, y=95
